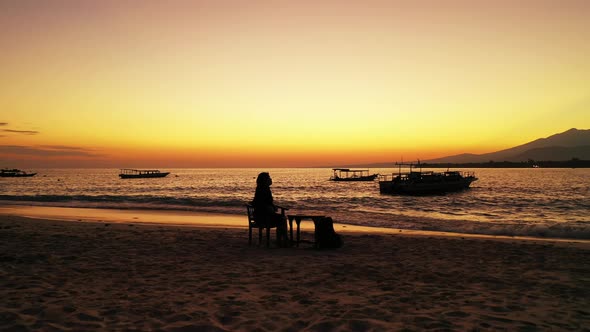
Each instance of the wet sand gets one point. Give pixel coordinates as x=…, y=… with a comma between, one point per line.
x=124, y=274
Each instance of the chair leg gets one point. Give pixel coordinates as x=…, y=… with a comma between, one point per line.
x=259, y=236
x=249, y=235
x=268, y=237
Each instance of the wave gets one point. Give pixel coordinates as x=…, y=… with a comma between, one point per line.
x=513, y=228
x=128, y=202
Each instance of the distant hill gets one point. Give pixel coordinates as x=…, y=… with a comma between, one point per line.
x=570, y=144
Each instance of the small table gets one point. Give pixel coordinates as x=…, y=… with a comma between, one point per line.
x=298, y=218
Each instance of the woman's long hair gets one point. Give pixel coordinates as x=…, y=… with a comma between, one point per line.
x=262, y=179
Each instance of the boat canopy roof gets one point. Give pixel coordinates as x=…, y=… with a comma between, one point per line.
x=349, y=170
x=139, y=170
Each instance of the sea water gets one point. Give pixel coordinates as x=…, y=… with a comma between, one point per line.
x=525, y=202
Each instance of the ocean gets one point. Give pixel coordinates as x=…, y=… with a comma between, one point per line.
x=552, y=203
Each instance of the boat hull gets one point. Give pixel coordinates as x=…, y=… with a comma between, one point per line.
x=17, y=175
x=143, y=176
x=425, y=188
x=361, y=178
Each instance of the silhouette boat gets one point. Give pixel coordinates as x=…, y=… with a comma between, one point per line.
x=424, y=183
x=128, y=173
x=14, y=173
x=346, y=174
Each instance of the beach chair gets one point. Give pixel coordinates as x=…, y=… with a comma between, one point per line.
x=260, y=224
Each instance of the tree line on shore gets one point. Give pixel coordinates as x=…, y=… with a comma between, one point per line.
x=572, y=163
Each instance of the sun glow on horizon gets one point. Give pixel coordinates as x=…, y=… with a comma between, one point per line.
x=226, y=83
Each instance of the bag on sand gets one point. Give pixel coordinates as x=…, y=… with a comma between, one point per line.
x=326, y=237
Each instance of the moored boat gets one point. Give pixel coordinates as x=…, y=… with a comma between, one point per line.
x=346, y=174
x=14, y=173
x=425, y=183
x=129, y=173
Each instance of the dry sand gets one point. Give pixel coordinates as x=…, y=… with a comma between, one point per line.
x=90, y=275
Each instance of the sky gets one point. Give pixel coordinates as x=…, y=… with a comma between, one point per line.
x=301, y=83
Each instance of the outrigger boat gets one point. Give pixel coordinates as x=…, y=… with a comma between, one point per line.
x=14, y=173
x=424, y=183
x=128, y=173
x=346, y=174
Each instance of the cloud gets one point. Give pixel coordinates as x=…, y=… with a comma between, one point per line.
x=3, y=123
x=24, y=132
x=63, y=147
x=48, y=151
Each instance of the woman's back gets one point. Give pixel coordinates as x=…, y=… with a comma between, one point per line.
x=263, y=202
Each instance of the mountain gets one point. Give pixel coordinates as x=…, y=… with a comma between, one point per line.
x=564, y=146
x=570, y=144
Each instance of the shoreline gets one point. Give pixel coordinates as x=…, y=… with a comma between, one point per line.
x=220, y=220
x=104, y=276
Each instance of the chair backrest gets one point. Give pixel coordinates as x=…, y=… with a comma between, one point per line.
x=252, y=222
x=250, y=210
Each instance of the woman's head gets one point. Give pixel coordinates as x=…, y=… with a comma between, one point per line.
x=263, y=179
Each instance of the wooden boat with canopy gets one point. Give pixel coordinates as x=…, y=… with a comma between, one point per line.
x=346, y=174
x=14, y=173
x=424, y=182
x=129, y=173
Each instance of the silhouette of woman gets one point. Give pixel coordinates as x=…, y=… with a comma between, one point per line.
x=266, y=211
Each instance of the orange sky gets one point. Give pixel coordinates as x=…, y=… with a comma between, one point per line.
x=285, y=83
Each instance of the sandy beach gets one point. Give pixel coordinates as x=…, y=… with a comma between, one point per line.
x=93, y=274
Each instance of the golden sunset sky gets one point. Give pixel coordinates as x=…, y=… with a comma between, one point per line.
x=285, y=83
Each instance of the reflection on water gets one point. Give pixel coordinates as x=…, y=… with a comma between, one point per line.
x=546, y=202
